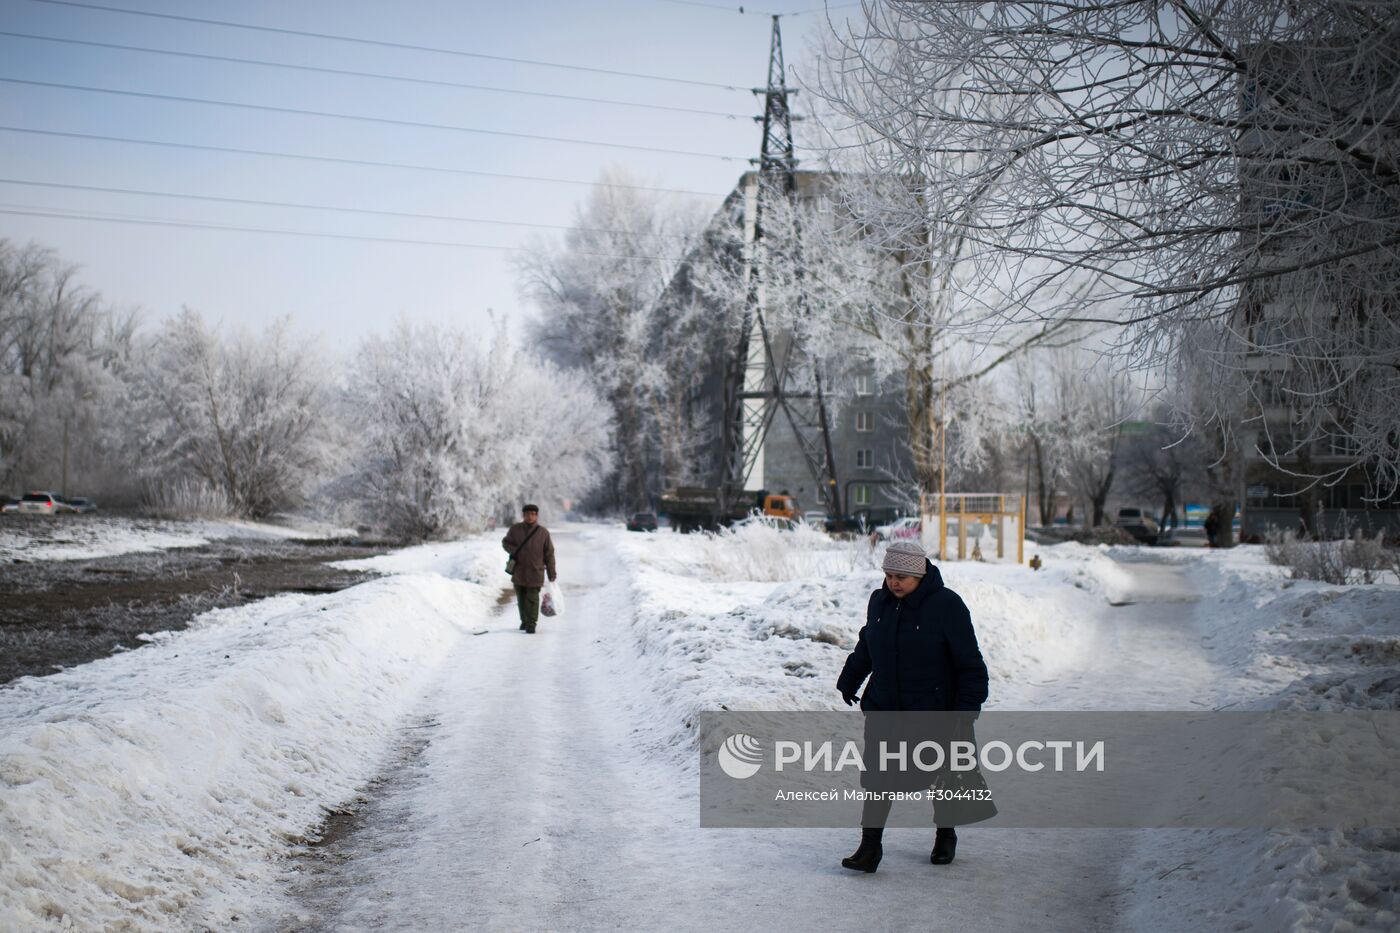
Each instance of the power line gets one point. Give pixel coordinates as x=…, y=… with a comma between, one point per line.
x=823, y=9
x=26, y=211
x=725, y=7
x=745, y=9
x=341, y=160
x=371, y=74
x=386, y=121
x=382, y=43
x=314, y=207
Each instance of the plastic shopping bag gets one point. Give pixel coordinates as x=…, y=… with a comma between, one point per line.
x=552, y=600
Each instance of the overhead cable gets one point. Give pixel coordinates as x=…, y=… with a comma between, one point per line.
x=232, y=59
x=255, y=202
x=383, y=43
x=63, y=214
x=342, y=160
x=384, y=121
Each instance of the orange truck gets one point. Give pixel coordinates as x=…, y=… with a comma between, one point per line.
x=782, y=506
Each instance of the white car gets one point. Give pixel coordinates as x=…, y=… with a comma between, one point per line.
x=40, y=503
x=905, y=529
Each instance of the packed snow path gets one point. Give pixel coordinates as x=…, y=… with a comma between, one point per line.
x=536, y=804
x=1149, y=652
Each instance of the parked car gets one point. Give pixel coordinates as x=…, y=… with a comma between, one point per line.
x=904, y=529
x=9, y=504
x=40, y=503
x=642, y=521
x=78, y=504
x=1140, y=524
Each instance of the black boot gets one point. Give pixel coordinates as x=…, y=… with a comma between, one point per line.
x=945, y=844
x=867, y=857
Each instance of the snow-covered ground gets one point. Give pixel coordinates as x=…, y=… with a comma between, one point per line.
x=1098, y=628
x=156, y=789
x=557, y=789
x=83, y=537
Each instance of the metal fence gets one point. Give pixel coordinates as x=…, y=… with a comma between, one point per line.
x=967, y=511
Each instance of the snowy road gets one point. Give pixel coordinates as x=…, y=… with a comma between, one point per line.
x=537, y=805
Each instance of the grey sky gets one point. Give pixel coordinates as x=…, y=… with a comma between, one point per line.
x=342, y=289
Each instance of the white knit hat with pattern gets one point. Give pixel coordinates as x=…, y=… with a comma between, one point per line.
x=905, y=557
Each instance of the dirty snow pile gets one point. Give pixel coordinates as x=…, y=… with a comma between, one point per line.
x=86, y=537
x=151, y=789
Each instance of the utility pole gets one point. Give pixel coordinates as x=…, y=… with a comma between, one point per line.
x=757, y=375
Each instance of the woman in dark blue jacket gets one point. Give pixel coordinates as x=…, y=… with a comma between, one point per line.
x=920, y=653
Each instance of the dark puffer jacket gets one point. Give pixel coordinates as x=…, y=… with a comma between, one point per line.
x=919, y=652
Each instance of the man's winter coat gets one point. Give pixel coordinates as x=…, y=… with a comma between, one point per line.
x=919, y=652
x=535, y=559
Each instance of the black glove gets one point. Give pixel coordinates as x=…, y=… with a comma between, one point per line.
x=850, y=698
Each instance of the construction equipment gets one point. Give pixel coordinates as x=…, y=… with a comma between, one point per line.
x=703, y=508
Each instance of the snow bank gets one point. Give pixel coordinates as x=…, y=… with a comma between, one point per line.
x=764, y=619
x=148, y=790
x=759, y=552
x=479, y=559
x=86, y=537
x=753, y=621
x=1089, y=567
x=1290, y=645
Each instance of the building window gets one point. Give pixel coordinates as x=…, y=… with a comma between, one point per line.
x=865, y=384
x=1346, y=497
x=865, y=458
x=861, y=493
x=864, y=421
x=1341, y=445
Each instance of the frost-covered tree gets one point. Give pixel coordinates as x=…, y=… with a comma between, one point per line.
x=570, y=428
x=61, y=357
x=867, y=278
x=452, y=431
x=1045, y=430
x=1095, y=401
x=1158, y=465
x=1229, y=164
x=600, y=298
x=243, y=414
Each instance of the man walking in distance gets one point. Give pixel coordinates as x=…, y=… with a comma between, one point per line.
x=530, y=546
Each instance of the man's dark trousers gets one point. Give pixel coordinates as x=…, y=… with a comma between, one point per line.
x=527, y=599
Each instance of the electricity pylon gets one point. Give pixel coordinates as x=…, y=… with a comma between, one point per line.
x=758, y=376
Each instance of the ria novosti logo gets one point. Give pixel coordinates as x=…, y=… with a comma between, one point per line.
x=741, y=756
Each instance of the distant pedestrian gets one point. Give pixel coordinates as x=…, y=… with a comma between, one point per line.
x=1213, y=526
x=920, y=652
x=532, y=555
